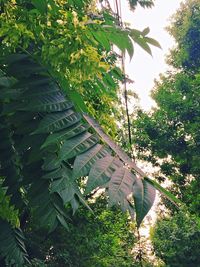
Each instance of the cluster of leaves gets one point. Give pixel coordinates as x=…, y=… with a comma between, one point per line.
x=47, y=148
x=176, y=240
x=185, y=29
x=7, y=211
x=169, y=138
x=52, y=51
x=142, y=3
x=75, y=41
x=105, y=239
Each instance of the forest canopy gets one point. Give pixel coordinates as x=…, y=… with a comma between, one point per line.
x=63, y=158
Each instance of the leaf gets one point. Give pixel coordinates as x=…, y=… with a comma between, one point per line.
x=122, y=155
x=57, y=121
x=121, y=40
x=74, y=204
x=120, y=186
x=146, y=31
x=12, y=245
x=52, y=175
x=40, y=5
x=152, y=42
x=140, y=40
x=125, y=205
x=147, y=195
x=62, y=221
x=84, y=162
x=77, y=145
x=165, y=192
x=65, y=134
x=101, y=172
x=51, y=162
x=64, y=187
x=10, y=93
x=83, y=201
x=138, y=195
x=48, y=103
x=77, y=100
x=101, y=37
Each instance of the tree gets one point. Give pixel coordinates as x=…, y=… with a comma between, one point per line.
x=176, y=240
x=104, y=238
x=168, y=137
x=53, y=51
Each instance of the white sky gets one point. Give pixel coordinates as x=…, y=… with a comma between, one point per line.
x=143, y=68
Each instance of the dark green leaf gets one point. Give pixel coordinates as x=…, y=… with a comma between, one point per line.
x=84, y=162
x=65, y=134
x=147, y=195
x=58, y=121
x=77, y=145
x=40, y=5
x=101, y=172
x=120, y=186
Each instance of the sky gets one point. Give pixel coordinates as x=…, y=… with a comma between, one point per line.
x=143, y=68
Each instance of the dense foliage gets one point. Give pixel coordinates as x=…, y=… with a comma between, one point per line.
x=176, y=240
x=104, y=239
x=169, y=138
x=57, y=59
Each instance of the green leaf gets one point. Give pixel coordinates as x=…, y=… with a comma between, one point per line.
x=147, y=195
x=62, y=221
x=48, y=103
x=77, y=145
x=52, y=175
x=10, y=93
x=146, y=31
x=74, y=204
x=152, y=42
x=120, y=38
x=65, y=134
x=101, y=172
x=84, y=162
x=77, y=100
x=58, y=121
x=122, y=155
x=163, y=191
x=51, y=162
x=40, y=5
x=138, y=195
x=101, y=37
x=120, y=186
x=12, y=245
x=140, y=40
x=64, y=187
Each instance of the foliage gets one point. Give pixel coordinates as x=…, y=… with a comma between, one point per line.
x=176, y=240
x=35, y=111
x=142, y=3
x=50, y=52
x=74, y=40
x=7, y=211
x=103, y=239
x=169, y=137
x=185, y=29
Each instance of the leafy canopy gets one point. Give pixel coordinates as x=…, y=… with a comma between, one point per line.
x=53, y=53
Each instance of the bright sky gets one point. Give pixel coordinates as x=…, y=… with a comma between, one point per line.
x=143, y=68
